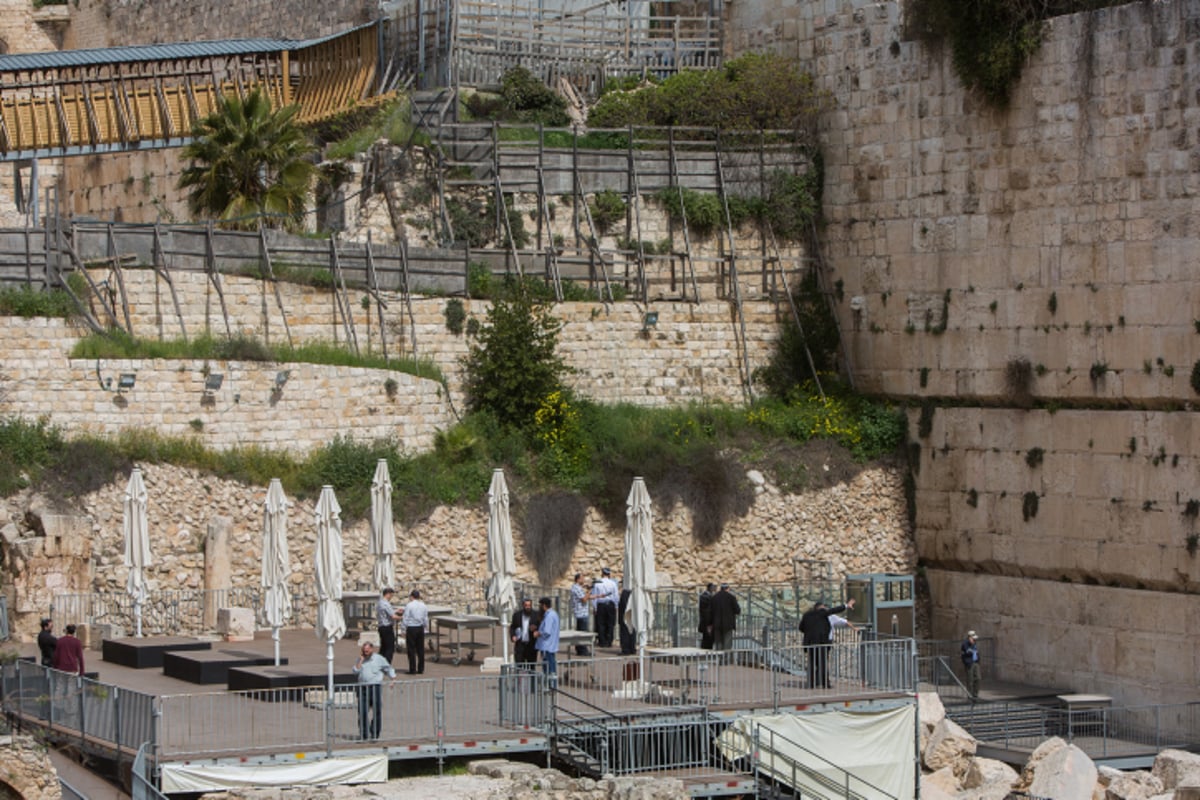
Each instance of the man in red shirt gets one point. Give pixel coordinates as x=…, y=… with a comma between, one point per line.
x=68, y=655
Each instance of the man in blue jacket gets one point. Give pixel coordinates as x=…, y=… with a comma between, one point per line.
x=970, y=659
x=547, y=638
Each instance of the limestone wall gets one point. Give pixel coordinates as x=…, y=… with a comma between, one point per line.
x=316, y=404
x=1112, y=496
x=1059, y=232
x=112, y=23
x=1062, y=229
x=1139, y=646
x=859, y=526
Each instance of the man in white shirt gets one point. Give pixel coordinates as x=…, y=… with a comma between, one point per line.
x=415, y=621
x=579, y=609
x=606, y=595
x=370, y=670
x=385, y=620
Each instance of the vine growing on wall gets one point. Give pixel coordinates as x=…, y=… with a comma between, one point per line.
x=990, y=40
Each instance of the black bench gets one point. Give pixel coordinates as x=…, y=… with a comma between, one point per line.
x=147, y=652
x=211, y=666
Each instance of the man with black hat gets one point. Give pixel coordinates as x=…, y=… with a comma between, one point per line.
x=47, y=641
x=705, y=628
x=817, y=629
x=521, y=631
x=725, y=611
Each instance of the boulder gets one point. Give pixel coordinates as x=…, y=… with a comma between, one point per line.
x=1176, y=768
x=988, y=779
x=930, y=709
x=932, y=791
x=1187, y=792
x=944, y=779
x=949, y=746
x=1040, y=753
x=1065, y=774
x=1133, y=786
x=1106, y=774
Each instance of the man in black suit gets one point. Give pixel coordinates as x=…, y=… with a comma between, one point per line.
x=816, y=627
x=725, y=611
x=520, y=631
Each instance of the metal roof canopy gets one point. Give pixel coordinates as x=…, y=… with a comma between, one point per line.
x=60, y=59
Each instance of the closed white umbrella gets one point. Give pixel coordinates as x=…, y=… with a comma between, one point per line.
x=331, y=623
x=501, y=598
x=136, y=530
x=640, y=576
x=383, y=535
x=276, y=566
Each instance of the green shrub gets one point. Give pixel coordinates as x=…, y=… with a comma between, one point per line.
x=513, y=364
x=702, y=211
x=456, y=315
x=789, y=364
x=479, y=280
x=28, y=302
x=607, y=209
x=527, y=99
x=752, y=92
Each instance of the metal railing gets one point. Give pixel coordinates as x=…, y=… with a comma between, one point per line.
x=814, y=769
x=263, y=721
x=142, y=777
x=79, y=708
x=1099, y=732
x=770, y=677
x=192, y=611
x=936, y=672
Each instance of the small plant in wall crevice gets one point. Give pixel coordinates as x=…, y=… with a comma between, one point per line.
x=391, y=388
x=1029, y=506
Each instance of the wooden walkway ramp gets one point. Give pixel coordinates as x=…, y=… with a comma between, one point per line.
x=78, y=102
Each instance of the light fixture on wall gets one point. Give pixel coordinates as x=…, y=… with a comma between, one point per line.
x=281, y=378
x=126, y=381
x=649, y=320
x=213, y=382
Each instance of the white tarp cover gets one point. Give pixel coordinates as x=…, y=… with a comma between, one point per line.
x=218, y=777
x=878, y=748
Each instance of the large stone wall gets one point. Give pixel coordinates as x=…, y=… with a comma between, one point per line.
x=113, y=23
x=316, y=404
x=858, y=526
x=1038, y=254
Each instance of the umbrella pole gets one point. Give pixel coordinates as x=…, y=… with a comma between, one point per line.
x=329, y=663
x=504, y=639
x=275, y=639
x=642, y=659
x=137, y=619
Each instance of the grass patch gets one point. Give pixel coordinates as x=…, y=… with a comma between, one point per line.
x=391, y=122
x=696, y=455
x=118, y=344
x=26, y=302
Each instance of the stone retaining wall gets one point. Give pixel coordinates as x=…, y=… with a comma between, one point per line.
x=859, y=526
x=691, y=354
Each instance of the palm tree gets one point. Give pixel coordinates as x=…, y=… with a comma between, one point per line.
x=247, y=161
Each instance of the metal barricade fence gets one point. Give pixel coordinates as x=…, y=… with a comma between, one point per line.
x=143, y=787
x=244, y=722
x=78, y=706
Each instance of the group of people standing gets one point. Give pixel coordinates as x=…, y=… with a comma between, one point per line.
x=535, y=631
x=64, y=652
x=719, y=609
x=372, y=666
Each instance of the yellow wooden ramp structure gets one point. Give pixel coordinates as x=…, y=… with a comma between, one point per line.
x=77, y=102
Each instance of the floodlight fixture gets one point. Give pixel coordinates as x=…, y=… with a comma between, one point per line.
x=650, y=320
x=282, y=377
x=126, y=381
x=213, y=382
